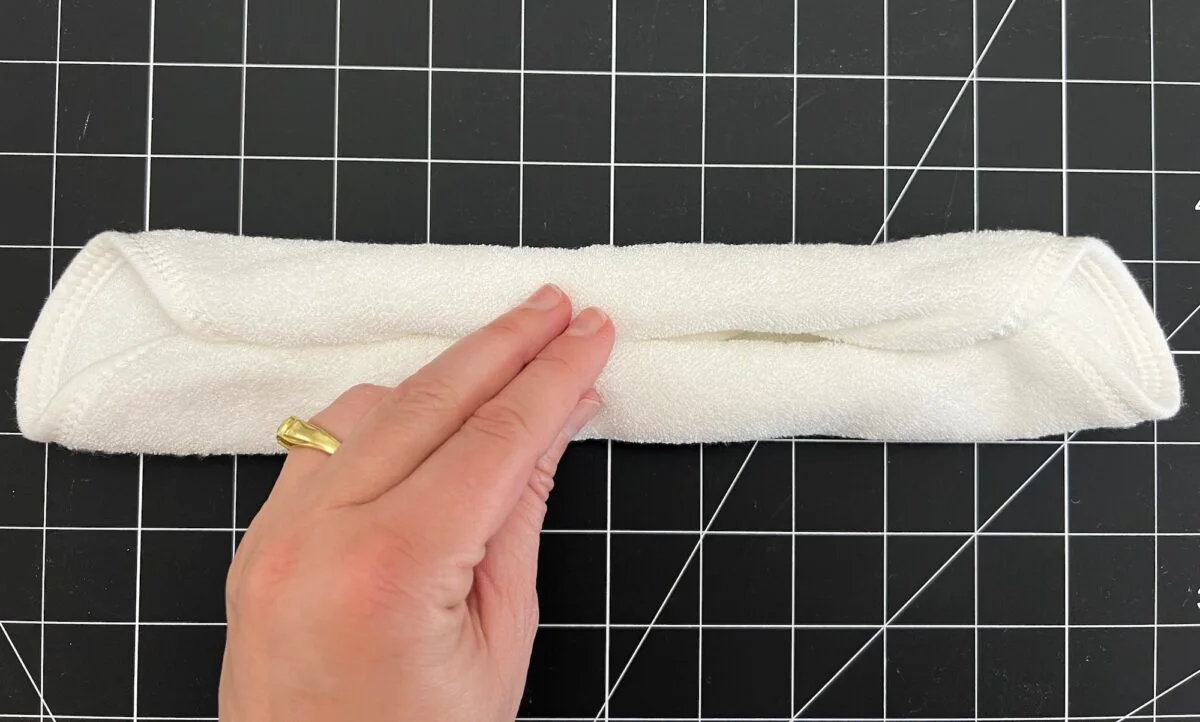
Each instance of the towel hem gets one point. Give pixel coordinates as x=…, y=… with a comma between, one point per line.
x=47, y=346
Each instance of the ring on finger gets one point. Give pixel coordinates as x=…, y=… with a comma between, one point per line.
x=295, y=432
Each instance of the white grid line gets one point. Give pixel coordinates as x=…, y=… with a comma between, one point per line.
x=46, y=447
x=1183, y=323
x=43, y=708
x=700, y=599
x=1066, y=536
x=241, y=156
x=975, y=574
x=521, y=139
x=609, y=686
x=687, y=532
x=1175, y=352
x=946, y=119
x=974, y=447
x=42, y=579
x=1154, y=305
x=703, y=230
x=832, y=440
x=1051, y=80
x=884, y=621
x=793, y=498
x=612, y=135
x=704, y=116
x=137, y=588
x=1086, y=719
x=973, y=539
x=1111, y=718
x=886, y=125
x=1159, y=695
x=149, y=154
x=883, y=233
x=1066, y=447
x=337, y=105
x=429, y=132
x=792, y=597
x=682, y=571
x=137, y=581
x=1055, y=169
x=663, y=625
x=233, y=514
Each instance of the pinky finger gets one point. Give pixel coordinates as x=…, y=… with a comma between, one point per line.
x=508, y=572
x=543, y=473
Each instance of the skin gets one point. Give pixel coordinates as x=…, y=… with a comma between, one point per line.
x=395, y=579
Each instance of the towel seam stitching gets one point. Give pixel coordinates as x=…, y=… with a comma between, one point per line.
x=97, y=269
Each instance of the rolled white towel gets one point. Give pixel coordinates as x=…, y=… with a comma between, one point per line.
x=180, y=342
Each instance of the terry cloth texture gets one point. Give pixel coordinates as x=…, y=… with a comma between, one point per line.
x=180, y=342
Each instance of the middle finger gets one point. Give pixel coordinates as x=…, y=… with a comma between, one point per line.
x=412, y=420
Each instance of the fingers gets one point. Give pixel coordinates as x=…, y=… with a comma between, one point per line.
x=412, y=420
x=547, y=465
x=506, y=580
x=512, y=555
x=470, y=485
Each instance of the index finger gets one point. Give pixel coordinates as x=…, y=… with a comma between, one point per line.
x=413, y=419
x=462, y=494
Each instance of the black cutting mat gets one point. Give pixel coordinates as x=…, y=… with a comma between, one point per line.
x=1022, y=580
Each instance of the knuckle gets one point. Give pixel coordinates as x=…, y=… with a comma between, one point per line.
x=508, y=327
x=361, y=395
x=371, y=575
x=534, y=612
x=233, y=586
x=530, y=617
x=542, y=483
x=423, y=394
x=354, y=401
x=558, y=365
x=363, y=392
x=513, y=332
x=503, y=421
x=390, y=571
x=262, y=581
x=388, y=556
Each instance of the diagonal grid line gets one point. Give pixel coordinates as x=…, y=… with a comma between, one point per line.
x=679, y=577
x=28, y=674
x=967, y=82
x=1159, y=696
x=1183, y=323
x=972, y=539
x=945, y=119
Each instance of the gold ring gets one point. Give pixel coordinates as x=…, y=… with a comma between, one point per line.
x=298, y=432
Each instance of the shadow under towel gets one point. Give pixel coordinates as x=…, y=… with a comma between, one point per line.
x=179, y=342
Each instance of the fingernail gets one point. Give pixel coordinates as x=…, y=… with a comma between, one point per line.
x=544, y=299
x=584, y=411
x=587, y=323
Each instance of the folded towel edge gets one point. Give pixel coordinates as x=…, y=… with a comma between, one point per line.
x=1157, y=395
x=41, y=365
x=1157, y=392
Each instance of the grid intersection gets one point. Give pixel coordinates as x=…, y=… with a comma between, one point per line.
x=1161, y=258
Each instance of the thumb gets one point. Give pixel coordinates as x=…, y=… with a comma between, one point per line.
x=506, y=580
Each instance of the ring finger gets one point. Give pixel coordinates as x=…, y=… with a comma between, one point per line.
x=340, y=419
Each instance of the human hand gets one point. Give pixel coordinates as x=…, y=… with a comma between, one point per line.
x=395, y=579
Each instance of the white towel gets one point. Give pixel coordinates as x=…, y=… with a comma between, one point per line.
x=187, y=343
